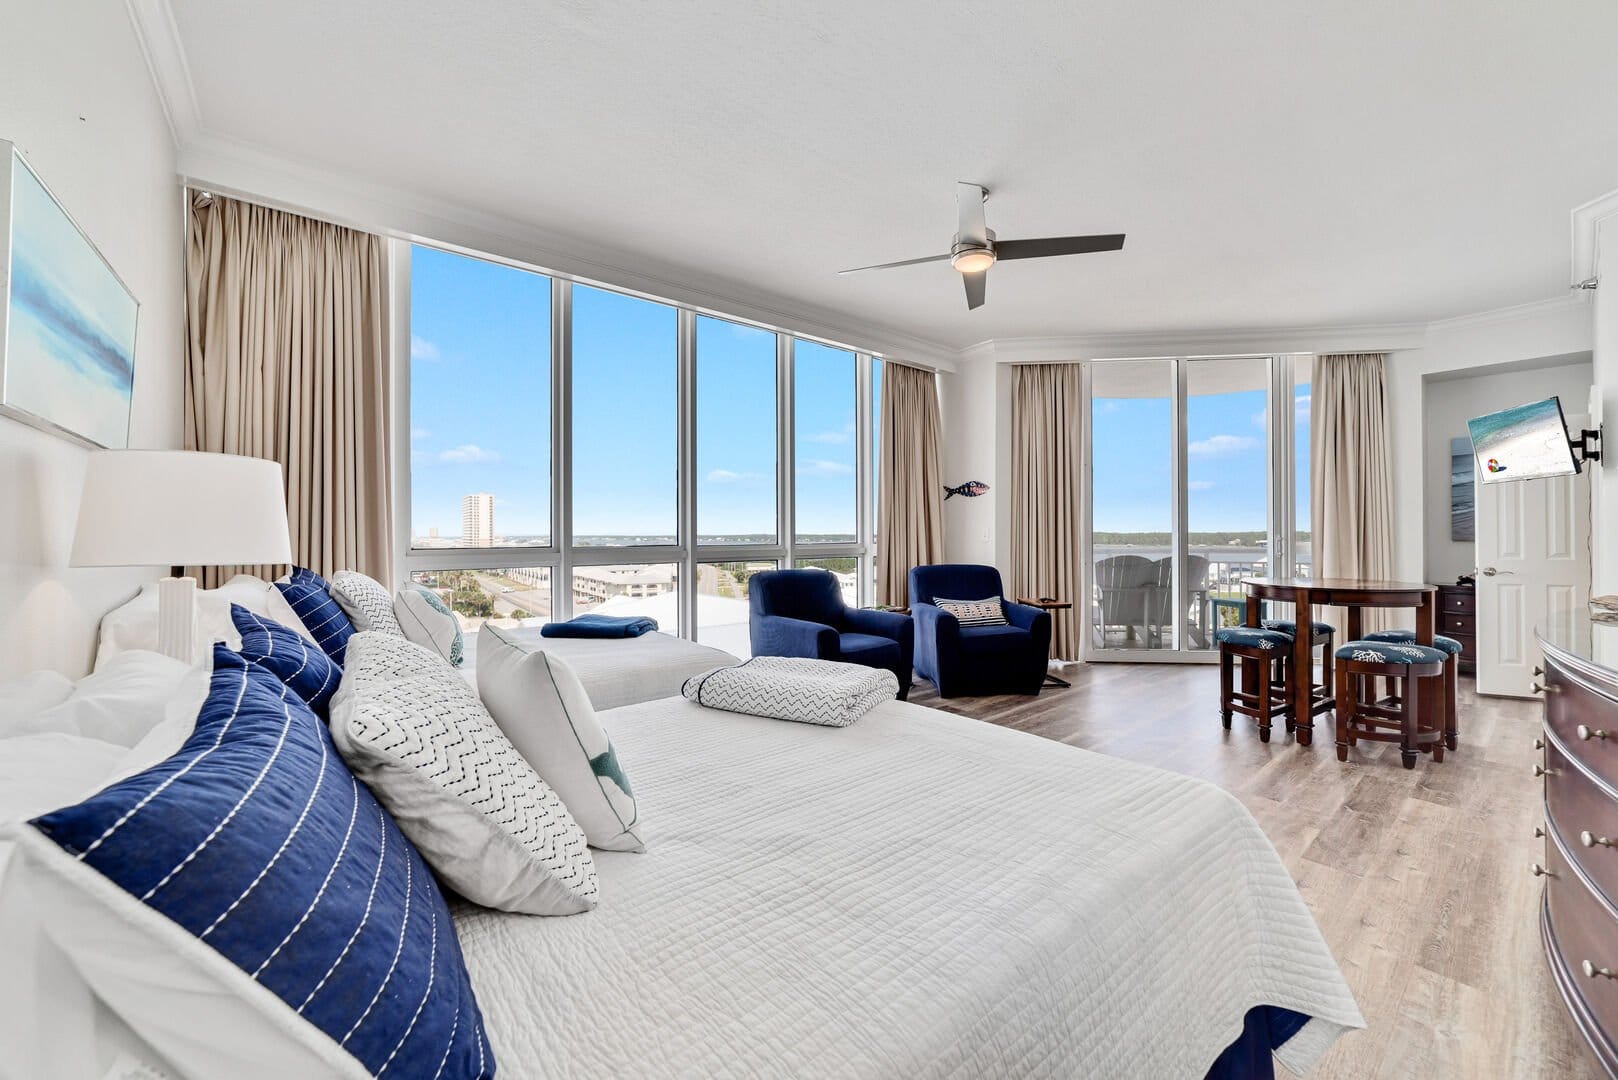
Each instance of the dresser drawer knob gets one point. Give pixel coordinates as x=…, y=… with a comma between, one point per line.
x=1590, y=839
x=1593, y=972
x=1586, y=732
x=1539, y=871
x=1540, y=770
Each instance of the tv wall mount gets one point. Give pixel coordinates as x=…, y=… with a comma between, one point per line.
x=1588, y=445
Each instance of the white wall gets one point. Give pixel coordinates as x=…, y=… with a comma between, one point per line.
x=1448, y=405
x=976, y=404
x=1559, y=327
x=77, y=99
x=1606, y=376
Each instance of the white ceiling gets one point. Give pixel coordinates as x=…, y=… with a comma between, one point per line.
x=1275, y=164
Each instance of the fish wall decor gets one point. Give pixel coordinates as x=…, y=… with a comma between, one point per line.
x=971, y=489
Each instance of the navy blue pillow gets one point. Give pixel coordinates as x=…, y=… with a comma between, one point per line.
x=310, y=597
x=256, y=839
x=290, y=657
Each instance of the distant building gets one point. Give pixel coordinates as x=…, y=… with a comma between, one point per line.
x=433, y=532
x=477, y=520
x=594, y=584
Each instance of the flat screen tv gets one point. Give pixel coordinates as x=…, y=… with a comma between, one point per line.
x=1524, y=443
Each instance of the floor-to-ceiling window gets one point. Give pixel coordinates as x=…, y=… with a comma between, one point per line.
x=1185, y=457
x=573, y=448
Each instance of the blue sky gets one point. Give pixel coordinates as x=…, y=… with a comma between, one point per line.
x=1226, y=467
x=480, y=411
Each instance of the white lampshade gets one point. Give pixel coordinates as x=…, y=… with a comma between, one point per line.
x=180, y=508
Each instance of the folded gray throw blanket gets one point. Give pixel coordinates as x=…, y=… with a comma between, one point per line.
x=823, y=692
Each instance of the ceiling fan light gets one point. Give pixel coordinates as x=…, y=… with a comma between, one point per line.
x=972, y=260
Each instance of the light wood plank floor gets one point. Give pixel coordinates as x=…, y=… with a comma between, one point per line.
x=1419, y=879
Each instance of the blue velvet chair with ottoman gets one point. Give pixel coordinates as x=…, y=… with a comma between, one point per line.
x=801, y=613
x=988, y=659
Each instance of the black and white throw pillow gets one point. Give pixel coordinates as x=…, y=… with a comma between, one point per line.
x=986, y=612
x=367, y=604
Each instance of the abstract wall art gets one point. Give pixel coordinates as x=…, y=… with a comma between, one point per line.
x=67, y=321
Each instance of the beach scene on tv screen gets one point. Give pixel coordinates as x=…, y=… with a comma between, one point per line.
x=1522, y=443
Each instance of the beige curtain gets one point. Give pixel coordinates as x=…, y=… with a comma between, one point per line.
x=910, y=484
x=287, y=359
x=1046, y=405
x=1351, y=474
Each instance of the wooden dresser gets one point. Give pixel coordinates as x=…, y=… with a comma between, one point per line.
x=1457, y=618
x=1579, y=914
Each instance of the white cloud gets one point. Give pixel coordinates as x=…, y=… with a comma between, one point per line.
x=469, y=454
x=422, y=349
x=821, y=467
x=1200, y=485
x=1216, y=445
x=836, y=438
x=730, y=476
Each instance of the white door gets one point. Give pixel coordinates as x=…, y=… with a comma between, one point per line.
x=1533, y=564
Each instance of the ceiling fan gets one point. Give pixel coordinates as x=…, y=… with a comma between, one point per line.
x=975, y=249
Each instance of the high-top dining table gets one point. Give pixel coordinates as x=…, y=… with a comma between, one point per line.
x=1306, y=594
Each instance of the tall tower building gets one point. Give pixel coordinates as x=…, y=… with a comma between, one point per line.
x=477, y=520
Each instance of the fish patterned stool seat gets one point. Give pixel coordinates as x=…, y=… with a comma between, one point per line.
x=1268, y=655
x=1452, y=667
x=1398, y=718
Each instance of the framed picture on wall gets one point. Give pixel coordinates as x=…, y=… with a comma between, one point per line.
x=1462, y=508
x=67, y=321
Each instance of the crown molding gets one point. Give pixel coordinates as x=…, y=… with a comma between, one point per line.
x=1586, y=220
x=1551, y=307
x=1389, y=337
x=159, y=40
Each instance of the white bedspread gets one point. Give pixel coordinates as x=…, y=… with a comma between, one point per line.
x=918, y=895
x=619, y=671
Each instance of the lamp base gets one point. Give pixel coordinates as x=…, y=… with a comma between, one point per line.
x=177, y=617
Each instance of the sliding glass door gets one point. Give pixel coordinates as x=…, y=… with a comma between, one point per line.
x=1191, y=489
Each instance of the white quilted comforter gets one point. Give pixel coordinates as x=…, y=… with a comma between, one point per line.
x=918, y=895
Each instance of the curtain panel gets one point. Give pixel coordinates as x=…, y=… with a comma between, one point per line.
x=287, y=359
x=910, y=484
x=1351, y=474
x=1047, y=403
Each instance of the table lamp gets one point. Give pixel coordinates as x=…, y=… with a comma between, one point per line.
x=180, y=508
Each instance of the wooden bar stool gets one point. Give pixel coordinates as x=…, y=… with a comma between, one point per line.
x=1322, y=634
x=1452, y=667
x=1396, y=719
x=1269, y=651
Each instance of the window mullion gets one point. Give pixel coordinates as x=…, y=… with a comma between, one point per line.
x=562, y=447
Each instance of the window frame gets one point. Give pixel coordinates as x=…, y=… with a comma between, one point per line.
x=562, y=555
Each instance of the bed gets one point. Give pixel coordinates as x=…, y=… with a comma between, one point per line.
x=917, y=895
x=619, y=671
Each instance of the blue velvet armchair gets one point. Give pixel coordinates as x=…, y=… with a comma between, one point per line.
x=801, y=613
x=964, y=660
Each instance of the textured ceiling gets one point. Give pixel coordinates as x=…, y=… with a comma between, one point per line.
x=1274, y=164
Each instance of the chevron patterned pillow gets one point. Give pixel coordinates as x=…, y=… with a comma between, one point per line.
x=368, y=605
x=414, y=731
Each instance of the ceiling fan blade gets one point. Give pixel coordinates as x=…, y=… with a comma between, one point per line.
x=973, y=230
x=1057, y=245
x=975, y=286
x=889, y=266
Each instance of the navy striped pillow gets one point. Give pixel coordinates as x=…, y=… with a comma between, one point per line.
x=257, y=840
x=290, y=657
x=310, y=597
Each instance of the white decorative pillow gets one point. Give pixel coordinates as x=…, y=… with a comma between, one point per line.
x=366, y=602
x=825, y=692
x=425, y=619
x=120, y=703
x=22, y=697
x=412, y=729
x=986, y=612
x=133, y=625
x=540, y=704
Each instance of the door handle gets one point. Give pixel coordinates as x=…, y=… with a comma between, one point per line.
x=1489, y=571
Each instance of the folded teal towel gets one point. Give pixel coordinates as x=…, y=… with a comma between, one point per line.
x=600, y=626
